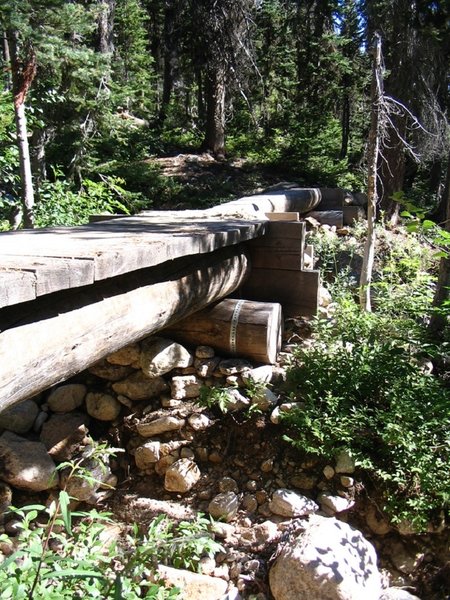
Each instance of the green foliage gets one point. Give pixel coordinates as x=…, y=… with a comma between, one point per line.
x=215, y=396
x=66, y=554
x=362, y=388
x=60, y=204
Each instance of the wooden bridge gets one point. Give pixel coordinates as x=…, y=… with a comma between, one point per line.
x=70, y=296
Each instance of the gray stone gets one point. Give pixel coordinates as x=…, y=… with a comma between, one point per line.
x=335, y=504
x=160, y=425
x=287, y=503
x=25, y=464
x=20, y=417
x=185, y=386
x=286, y=407
x=126, y=356
x=103, y=407
x=228, y=484
x=327, y=560
x=62, y=434
x=264, y=399
x=181, y=476
x=344, y=463
x=67, y=397
x=199, y=421
x=140, y=387
x=261, y=374
x=224, y=506
x=396, y=593
x=237, y=401
x=160, y=356
x=328, y=472
x=194, y=586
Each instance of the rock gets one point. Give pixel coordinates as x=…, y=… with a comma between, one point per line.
x=160, y=356
x=147, y=455
x=5, y=500
x=344, y=463
x=103, y=407
x=329, y=559
x=205, y=367
x=403, y=557
x=126, y=356
x=164, y=463
x=25, y=464
x=288, y=503
x=160, y=425
x=203, y=352
x=264, y=399
x=194, y=586
x=261, y=374
x=224, y=506
x=376, y=521
x=335, y=504
x=82, y=488
x=347, y=481
x=396, y=593
x=140, y=387
x=181, y=476
x=66, y=398
x=231, y=366
x=39, y=421
x=249, y=503
x=106, y=370
x=62, y=434
x=303, y=481
x=236, y=400
x=325, y=298
x=228, y=484
x=19, y=418
x=275, y=416
x=328, y=472
x=185, y=386
x=199, y=421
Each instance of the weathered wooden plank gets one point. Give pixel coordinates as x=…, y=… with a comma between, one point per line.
x=123, y=245
x=49, y=342
x=297, y=291
x=16, y=287
x=283, y=216
x=51, y=274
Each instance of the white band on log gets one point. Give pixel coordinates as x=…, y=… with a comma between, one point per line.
x=234, y=322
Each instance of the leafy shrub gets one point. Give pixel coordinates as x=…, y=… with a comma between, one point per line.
x=60, y=204
x=362, y=389
x=56, y=558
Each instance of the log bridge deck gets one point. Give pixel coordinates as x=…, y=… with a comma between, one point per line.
x=70, y=296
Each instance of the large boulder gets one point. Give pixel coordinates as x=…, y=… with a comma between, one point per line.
x=26, y=465
x=328, y=560
x=19, y=418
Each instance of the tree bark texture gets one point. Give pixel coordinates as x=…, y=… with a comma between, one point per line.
x=372, y=160
x=439, y=320
x=23, y=73
x=105, y=27
x=215, y=111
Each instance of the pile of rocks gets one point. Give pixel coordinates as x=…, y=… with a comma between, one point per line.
x=275, y=511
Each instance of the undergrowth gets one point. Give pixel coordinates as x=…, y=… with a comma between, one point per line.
x=363, y=387
x=62, y=553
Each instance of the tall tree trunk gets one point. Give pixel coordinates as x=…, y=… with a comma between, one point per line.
x=105, y=27
x=169, y=58
x=7, y=61
x=439, y=321
x=215, y=112
x=23, y=73
x=376, y=96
